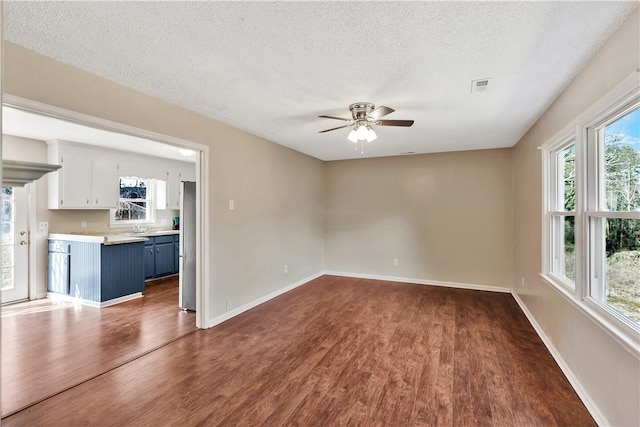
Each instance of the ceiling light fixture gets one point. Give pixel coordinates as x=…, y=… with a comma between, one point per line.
x=364, y=116
x=186, y=152
x=362, y=132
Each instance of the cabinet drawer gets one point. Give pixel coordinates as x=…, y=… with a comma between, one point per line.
x=164, y=239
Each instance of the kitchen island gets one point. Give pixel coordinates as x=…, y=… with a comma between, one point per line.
x=96, y=270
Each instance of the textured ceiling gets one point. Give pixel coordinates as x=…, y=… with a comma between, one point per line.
x=270, y=68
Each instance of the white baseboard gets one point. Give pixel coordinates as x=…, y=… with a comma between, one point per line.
x=248, y=306
x=421, y=281
x=68, y=298
x=573, y=380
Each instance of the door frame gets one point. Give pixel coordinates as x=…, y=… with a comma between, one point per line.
x=203, y=269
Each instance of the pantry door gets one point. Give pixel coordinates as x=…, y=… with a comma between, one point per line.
x=14, y=245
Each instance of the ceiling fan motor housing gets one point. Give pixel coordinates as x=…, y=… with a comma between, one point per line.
x=360, y=110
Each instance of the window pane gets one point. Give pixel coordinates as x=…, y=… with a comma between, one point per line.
x=569, y=264
x=6, y=232
x=623, y=266
x=564, y=260
x=622, y=163
x=6, y=256
x=133, y=188
x=6, y=278
x=135, y=199
x=568, y=186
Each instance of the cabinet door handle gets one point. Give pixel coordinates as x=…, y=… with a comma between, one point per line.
x=151, y=251
x=96, y=201
x=157, y=250
x=87, y=201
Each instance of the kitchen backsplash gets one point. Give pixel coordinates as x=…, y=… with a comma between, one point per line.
x=71, y=221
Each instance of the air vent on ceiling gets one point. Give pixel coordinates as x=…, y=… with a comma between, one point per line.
x=480, y=85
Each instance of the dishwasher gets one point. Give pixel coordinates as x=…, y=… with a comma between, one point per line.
x=58, y=271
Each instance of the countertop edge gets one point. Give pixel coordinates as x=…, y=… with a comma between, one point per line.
x=101, y=239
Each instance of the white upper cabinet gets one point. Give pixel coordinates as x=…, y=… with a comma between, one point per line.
x=88, y=178
x=176, y=172
x=105, y=183
x=73, y=181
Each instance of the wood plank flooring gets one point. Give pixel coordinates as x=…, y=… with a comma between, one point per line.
x=338, y=351
x=48, y=347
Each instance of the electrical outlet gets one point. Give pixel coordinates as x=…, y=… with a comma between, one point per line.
x=522, y=282
x=163, y=222
x=286, y=269
x=395, y=262
x=83, y=224
x=228, y=305
x=43, y=225
x=232, y=205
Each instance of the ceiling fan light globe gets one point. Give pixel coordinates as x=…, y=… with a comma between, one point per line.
x=362, y=132
x=371, y=135
x=352, y=136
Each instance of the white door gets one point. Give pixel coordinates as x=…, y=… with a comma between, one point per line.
x=14, y=245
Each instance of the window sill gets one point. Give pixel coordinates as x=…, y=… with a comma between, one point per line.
x=619, y=331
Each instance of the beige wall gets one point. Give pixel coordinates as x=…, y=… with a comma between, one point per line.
x=445, y=217
x=249, y=245
x=607, y=372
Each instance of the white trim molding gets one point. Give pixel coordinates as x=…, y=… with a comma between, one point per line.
x=573, y=379
x=470, y=286
x=248, y=306
x=75, y=300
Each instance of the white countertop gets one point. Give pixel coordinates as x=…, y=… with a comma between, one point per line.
x=111, y=238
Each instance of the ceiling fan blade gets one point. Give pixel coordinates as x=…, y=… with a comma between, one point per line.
x=379, y=112
x=334, y=117
x=406, y=123
x=339, y=127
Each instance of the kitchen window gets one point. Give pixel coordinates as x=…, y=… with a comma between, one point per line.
x=136, y=203
x=591, y=221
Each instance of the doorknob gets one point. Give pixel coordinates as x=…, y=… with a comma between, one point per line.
x=23, y=242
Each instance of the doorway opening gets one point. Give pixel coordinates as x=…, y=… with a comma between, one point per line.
x=104, y=338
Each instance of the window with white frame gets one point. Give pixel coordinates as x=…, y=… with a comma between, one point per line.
x=592, y=212
x=613, y=212
x=562, y=212
x=136, y=203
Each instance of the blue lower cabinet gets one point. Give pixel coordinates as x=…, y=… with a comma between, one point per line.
x=122, y=270
x=160, y=256
x=97, y=272
x=149, y=261
x=164, y=259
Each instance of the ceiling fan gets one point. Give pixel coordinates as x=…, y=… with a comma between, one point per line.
x=364, y=116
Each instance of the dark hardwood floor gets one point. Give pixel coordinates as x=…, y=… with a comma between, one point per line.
x=49, y=346
x=338, y=351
